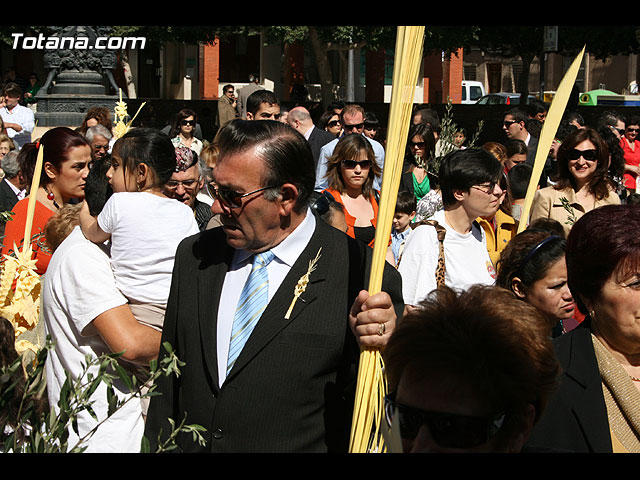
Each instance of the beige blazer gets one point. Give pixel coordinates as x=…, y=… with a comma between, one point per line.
x=547, y=203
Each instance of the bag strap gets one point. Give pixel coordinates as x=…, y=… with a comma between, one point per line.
x=441, y=233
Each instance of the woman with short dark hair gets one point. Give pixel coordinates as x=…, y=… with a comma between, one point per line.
x=183, y=131
x=597, y=406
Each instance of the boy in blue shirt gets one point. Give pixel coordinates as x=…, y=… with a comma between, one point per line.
x=404, y=214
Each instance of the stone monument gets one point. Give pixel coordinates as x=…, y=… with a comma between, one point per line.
x=77, y=79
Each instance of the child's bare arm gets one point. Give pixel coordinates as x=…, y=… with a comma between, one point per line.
x=90, y=227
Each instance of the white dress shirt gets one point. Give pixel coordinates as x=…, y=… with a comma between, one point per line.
x=286, y=254
x=24, y=117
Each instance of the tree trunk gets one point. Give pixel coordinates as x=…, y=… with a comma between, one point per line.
x=128, y=76
x=323, y=66
x=524, y=78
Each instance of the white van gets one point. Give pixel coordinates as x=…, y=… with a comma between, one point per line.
x=472, y=91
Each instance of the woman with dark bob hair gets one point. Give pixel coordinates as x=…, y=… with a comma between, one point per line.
x=65, y=167
x=351, y=171
x=183, y=131
x=597, y=405
x=533, y=267
x=582, y=183
x=469, y=371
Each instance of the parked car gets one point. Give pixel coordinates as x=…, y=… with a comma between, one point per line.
x=501, y=99
x=472, y=91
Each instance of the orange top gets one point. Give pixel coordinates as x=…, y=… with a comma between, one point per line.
x=14, y=233
x=351, y=220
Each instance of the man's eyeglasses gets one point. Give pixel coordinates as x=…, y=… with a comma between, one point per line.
x=589, y=155
x=357, y=126
x=350, y=164
x=187, y=184
x=188, y=122
x=448, y=430
x=231, y=198
x=508, y=123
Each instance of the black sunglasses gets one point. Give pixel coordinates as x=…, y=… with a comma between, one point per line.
x=357, y=126
x=349, y=164
x=508, y=123
x=416, y=144
x=448, y=430
x=188, y=122
x=333, y=123
x=230, y=198
x=589, y=155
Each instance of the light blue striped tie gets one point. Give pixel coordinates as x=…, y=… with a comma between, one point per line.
x=253, y=300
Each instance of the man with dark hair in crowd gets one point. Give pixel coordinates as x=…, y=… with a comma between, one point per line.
x=285, y=383
x=515, y=126
x=227, y=105
x=263, y=105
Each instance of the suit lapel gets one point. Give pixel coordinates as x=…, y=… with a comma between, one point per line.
x=273, y=319
x=210, y=278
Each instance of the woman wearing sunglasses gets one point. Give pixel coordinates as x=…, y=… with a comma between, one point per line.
x=330, y=121
x=469, y=371
x=351, y=171
x=631, y=147
x=582, y=182
x=421, y=146
x=182, y=133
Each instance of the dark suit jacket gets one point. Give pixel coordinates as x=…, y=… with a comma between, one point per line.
x=7, y=200
x=291, y=389
x=575, y=420
x=318, y=139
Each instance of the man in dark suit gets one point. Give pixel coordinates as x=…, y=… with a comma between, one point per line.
x=12, y=186
x=300, y=119
x=291, y=387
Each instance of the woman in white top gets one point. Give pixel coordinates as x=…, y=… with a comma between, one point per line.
x=469, y=183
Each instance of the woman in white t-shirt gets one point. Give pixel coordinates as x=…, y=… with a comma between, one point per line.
x=470, y=189
x=144, y=225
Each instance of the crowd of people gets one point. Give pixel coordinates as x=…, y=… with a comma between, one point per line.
x=249, y=253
